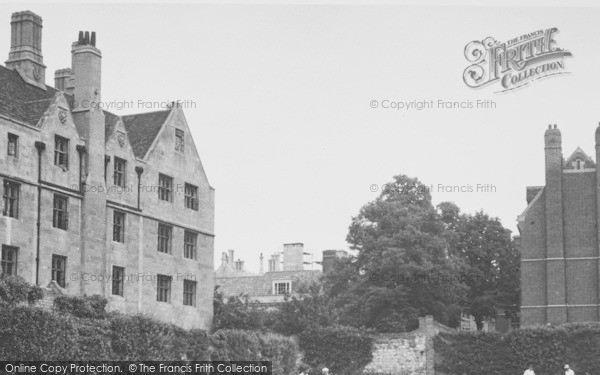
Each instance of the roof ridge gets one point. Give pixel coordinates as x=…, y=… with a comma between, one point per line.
x=146, y=113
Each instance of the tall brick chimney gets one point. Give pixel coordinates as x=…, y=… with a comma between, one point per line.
x=293, y=256
x=25, y=54
x=89, y=120
x=555, y=270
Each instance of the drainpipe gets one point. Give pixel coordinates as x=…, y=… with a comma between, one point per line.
x=81, y=150
x=139, y=171
x=41, y=146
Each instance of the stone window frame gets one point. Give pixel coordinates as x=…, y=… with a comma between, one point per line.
x=119, y=172
x=10, y=198
x=12, y=145
x=189, y=292
x=60, y=213
x=165, y=188
x=165, y=238
x=119, y=220
x=190, y=244
x=59, y=269
x=191, y=196
x=163, y=288
x=61, y=152
x=118, y=281
x=277, y=287
x=9, y=260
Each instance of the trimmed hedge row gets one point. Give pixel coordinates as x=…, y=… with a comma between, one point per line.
x=344, y=350
x=548, y=349
x=32, y=333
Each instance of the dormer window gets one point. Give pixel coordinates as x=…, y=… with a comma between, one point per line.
x=179, y=140
x=282, y=287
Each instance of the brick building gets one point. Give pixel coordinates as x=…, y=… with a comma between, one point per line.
x=560, y=234
x=95, y=203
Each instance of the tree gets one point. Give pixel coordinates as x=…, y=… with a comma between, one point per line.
x=490, y=262
x=402, y=265
x=236, y=312
x=15, y=290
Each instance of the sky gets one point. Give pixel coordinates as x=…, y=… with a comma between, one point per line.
x=280, y=103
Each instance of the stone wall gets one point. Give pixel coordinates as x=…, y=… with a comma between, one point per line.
x=409, y=353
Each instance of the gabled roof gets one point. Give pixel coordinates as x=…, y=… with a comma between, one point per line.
x=579, y=154
x=21, y=101
x=26, y=103
x=143, y=128
x=110, y=122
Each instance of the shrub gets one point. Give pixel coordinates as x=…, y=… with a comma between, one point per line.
x=93, y=307
x=14, y=290
x=344, y=350
x=546, y=348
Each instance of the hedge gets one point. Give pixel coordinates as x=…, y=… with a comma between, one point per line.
x=342, y=349
x=33, y=333
x=548, y=349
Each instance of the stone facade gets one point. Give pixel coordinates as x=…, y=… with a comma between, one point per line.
x=560, y=256
x=108, y=175
x=409, y=353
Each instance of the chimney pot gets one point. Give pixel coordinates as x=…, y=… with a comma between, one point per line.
x=93, y=39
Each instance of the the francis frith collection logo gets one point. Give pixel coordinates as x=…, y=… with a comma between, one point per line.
x=515, y=63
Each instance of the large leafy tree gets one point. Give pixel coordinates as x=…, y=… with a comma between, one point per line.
x=490, y=262
x=402, y=269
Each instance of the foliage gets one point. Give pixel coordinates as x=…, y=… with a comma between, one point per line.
x=490, y=262
x=32, y=333
x=15, y=290
x=546, y=348
x=236, y=312
x=402, y=266
x=93, y=307
x=344, y=350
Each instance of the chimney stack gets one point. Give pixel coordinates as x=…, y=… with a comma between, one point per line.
x=230, y=257
x=293, y=256
x=223, y=258
x=329, y=258
x=262, y=269
x=25, y=54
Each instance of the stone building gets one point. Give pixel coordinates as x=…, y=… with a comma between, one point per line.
x=96, y=203
x=283, y=276
x=559, y=241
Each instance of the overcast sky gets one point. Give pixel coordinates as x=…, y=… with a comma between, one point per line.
x=283, y=119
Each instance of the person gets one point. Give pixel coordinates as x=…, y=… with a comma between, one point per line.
x=568, y=370
x=529, y=370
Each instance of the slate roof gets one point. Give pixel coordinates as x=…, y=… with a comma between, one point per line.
x=143, y=128
x=262, y=285
x=21, y=101
x=26, y=103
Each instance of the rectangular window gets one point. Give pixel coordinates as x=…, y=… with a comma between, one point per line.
x=163, y=288
x=11, y=199
x=191, y=196
x=61, y=152
x=60, y=218
x=9, y=260
x=13, y=145
x=281, y=288
x=119, y=226
x=118, y=278
x=179, y=140
x=189, y=293
x=165, y=188
x=119, y=173
x=189, y=244
x=165, y=237
x=59, y=267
